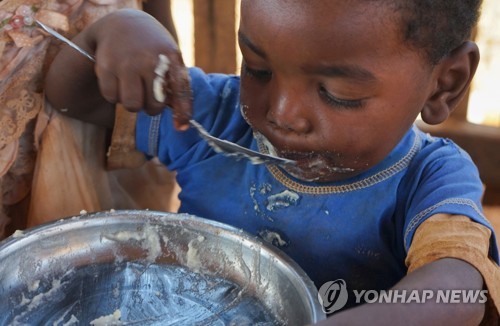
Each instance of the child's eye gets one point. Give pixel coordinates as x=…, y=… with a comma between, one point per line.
x=337, y=102
x=263, y=75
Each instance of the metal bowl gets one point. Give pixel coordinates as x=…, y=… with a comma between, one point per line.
x=149, y=268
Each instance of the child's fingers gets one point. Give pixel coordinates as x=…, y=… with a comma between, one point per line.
x=108, y=85
x=180, y=91
x=156, y=97
x=134, y=94
x=131, y=91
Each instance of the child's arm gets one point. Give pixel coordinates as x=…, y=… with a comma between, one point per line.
x=126, y=44
x=438, y=275
x=448, y=252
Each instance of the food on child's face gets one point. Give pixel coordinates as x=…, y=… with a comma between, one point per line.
x=311, y=166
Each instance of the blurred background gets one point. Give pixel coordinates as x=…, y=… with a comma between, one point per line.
x=484, y=101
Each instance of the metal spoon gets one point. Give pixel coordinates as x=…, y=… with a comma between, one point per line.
x=234, y=150
x=65, y=40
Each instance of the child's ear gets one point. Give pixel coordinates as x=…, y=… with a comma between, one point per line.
x=454, y=75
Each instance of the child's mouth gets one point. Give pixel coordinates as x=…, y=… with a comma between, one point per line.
x=311, y=166
x=315, y=167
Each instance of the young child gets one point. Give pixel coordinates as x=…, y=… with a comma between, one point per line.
x=335, y=85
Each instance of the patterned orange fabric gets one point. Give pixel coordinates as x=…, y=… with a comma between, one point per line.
x=26, y=51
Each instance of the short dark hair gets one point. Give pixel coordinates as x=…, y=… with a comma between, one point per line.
x=437, y=26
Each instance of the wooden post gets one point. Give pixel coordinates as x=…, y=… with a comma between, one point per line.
x=215, y=35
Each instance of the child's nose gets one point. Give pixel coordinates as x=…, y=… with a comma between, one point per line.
x=289, y=113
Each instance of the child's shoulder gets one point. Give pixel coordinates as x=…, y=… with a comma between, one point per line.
x=441, y=178
x=439, y=152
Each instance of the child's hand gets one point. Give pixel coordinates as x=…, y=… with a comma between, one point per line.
x=138, y=64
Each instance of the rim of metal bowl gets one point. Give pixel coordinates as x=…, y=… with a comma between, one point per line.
x=33, y=234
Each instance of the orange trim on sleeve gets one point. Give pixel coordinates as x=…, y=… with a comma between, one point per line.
x=446, y=236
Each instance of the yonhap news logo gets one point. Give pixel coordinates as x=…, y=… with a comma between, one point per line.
x=333, y=296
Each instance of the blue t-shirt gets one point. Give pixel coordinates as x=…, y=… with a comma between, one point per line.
x=358, y=230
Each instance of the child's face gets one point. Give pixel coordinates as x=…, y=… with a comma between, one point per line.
x=329, y=82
